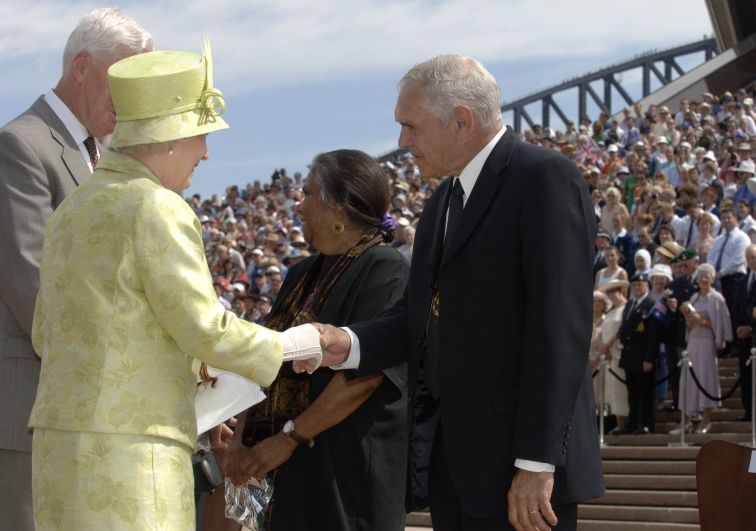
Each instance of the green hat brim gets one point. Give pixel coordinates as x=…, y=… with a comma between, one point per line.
x=164, y=129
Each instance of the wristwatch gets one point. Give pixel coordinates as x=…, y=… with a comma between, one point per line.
x=288, y=429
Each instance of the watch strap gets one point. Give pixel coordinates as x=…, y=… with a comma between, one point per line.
x=298, y=438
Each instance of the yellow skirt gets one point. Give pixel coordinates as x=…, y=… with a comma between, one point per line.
x=102, y=481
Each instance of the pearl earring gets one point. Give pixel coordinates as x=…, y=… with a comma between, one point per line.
x=170, y=151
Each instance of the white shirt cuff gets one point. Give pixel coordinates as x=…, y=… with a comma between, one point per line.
x=353, y=361
x=534, y=466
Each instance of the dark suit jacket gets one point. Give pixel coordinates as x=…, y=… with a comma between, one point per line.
x=683, y=289
x=637, y=335
x=745, y=303
x=515, y=324
x=40, y=164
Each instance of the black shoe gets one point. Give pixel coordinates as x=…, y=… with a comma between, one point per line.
x=620, y=431
x=645, y=430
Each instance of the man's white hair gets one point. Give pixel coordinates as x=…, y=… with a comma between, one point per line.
x=453, y=80
x=101, y=31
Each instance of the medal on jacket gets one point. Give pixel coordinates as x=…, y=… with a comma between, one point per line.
x=641, y=327
x=435, y=305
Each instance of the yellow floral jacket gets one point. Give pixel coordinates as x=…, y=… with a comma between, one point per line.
x=125, y=306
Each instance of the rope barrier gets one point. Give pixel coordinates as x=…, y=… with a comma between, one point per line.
x=716, y=399
x=667, y=377
x=695, y=379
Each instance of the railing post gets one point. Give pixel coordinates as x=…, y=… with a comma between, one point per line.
x=602, y=397
x=684, y=365
x=752, y=362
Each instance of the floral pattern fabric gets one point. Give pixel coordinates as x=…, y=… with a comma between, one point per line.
x=126, y=308
x=116, y=482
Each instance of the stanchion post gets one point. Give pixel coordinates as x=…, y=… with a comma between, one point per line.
x=752, y=362
x=684, y=365
x=602, y=397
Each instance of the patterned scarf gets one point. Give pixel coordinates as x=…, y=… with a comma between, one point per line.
x=288, y=394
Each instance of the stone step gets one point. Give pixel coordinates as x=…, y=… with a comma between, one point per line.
x=717, y=426
x=660, y=439
x=650, y=467
x=650, y=482
x=664, y=498
x=645, y=453
x=609, y=525
x=419, y=518
x=716, y=415
x=729, y=362
x=681, y=515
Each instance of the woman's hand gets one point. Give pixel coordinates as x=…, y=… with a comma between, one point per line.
x=268, y=454
x=221, y=435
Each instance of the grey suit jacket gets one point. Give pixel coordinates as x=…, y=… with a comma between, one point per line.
x=40, y=164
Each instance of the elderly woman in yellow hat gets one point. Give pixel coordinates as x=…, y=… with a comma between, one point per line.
x=126, y=308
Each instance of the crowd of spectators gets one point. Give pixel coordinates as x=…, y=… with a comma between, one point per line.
x=659, y=179
x=253, y=234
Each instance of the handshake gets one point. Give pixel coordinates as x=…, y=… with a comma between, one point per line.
x=310, y=346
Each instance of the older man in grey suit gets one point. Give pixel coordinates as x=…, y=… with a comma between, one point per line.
x=44, y=154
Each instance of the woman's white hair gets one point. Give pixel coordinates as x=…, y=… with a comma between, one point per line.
x=101, y=31
x=453, y=80
x=707, y=268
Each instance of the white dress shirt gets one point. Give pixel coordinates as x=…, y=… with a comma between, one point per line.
x=467, y=178
x=733, y=259
x=72, y=125
x=684, y=225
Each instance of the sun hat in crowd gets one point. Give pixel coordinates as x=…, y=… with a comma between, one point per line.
x=272, y=269
x=613, y=284
x=601, y=233
x=605, y=298
x=623, y=169
x=710, y=156
x=662, y=140
x=747, y=166
x=661, y=270
x=164, y=95
x=744, y=146
x=612, y=148
x=669, y=250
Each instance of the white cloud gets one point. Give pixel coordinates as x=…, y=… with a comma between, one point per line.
x=260, y=44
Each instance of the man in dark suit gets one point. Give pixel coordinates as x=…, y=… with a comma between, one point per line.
x=44, y=154
x=639, y=347
x=744, y=331
x=495, y=325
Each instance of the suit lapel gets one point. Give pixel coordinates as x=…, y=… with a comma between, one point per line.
x=483, y=193
x=70, y=154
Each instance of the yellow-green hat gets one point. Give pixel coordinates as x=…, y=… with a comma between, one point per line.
x=164, y=95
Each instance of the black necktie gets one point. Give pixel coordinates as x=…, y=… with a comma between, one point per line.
x=718, y=265
x=690, y=233
x=91, y=146
x=432, y=354
x=455, y=210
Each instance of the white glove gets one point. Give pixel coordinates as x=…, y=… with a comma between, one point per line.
x=302, y=343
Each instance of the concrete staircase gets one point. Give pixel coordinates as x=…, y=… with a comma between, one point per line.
x=651, y=486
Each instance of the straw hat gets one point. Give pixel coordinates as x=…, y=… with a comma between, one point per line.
x=605, y=298
x=164, y=95
x=613, y=284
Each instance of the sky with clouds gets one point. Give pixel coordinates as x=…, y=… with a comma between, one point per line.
x=305, y=76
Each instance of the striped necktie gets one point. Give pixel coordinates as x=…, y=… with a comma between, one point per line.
x=91, y=146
